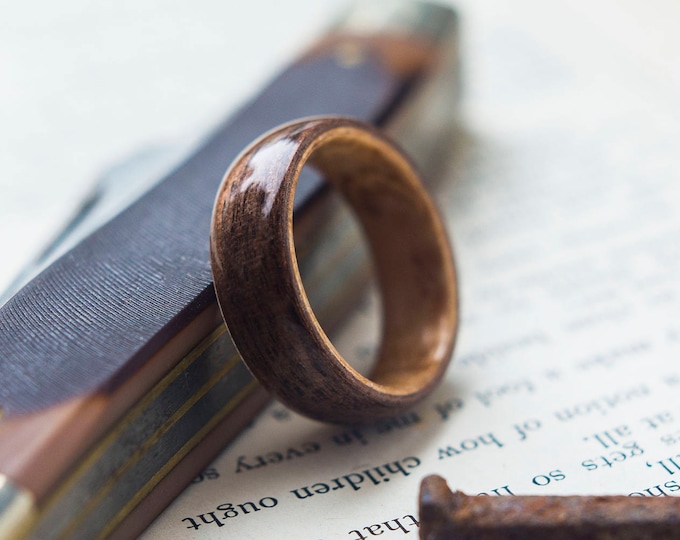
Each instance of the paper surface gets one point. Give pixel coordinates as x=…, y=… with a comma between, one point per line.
x=563, y=203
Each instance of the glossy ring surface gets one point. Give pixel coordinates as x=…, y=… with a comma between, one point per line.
x=261, y=294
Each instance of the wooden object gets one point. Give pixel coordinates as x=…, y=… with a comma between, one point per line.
x=260, y=290
x=119, y=381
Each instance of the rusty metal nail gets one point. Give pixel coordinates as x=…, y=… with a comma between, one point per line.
x=453, y=515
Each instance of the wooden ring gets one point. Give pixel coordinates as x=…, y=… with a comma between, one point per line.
x=260, y=291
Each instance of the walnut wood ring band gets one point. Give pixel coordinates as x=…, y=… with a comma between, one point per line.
x=261, y=295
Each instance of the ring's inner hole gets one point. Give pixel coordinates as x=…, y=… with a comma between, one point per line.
x=338, y=275
x=411, y=255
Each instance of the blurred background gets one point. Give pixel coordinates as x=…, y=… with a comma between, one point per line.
x=86, y=85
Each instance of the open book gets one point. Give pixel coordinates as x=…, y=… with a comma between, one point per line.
x=562, y=199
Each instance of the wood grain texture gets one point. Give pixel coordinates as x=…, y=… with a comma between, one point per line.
x=96, y=330
x=88, y=341
x=260, y=291
x=90, y=320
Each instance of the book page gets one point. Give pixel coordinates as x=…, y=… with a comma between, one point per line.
x=562, y=197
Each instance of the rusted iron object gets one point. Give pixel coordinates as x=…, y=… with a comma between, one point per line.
x=453, y=515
